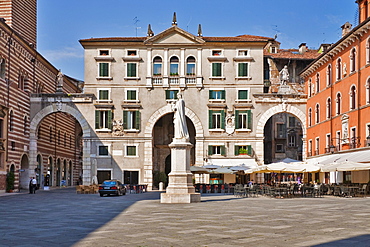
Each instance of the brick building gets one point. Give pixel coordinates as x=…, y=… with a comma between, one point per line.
x=338, y=105
x=23, y=73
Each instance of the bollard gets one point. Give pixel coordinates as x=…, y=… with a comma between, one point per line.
x=160, y=186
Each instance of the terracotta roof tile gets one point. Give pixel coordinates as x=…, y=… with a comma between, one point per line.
x=293, y=53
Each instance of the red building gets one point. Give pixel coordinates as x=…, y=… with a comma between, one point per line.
x=338, y=89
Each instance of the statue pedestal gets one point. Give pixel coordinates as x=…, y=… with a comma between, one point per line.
x=180, y=187
x=284, y=89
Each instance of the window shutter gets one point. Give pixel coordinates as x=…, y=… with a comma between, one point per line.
x=243, y=94
x=223, y=119
x=216, y=69
x=210, y=150
x=236, y=151
x=131, y=69
x=97, y=118
x=168, y=93
x=137, y=123
x=176, y=92
x=103, y=94
x=103, y=69
x=210, y=94
x=250, y=120
x=110, y=117
x=223, y=94
x=249, y=150
x=223, y=150
x=210, y=112
x=240, y=69
x=125, y=113
x=237, y=119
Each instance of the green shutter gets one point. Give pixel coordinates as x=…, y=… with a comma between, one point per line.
x=216, y=69
x=168, y=93
x=237, y=119
x=250, y=120
x=223, y=119
x=243, y=94
x=137, y=119
x=210, y=112
x=210, y=150
x=103, y=94
x=249, y=150
x=223, y=94
x=131, y=70
x=243, y=70
x=236, y=151
x=103, y=69
x=131, y=95
x=97, y=119
x=175, y=92
x=110, y=118
x=211, y=94
x=125, y=119
x=223, y=150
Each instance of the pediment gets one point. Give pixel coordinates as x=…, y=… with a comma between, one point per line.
x=174, y=35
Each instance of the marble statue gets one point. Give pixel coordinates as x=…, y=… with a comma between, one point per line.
x=179, y=120
x=284, y=75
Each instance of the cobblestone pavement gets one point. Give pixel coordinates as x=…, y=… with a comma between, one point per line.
x=61, y=217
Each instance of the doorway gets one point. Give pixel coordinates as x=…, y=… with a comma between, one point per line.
x=104, y=175
x=131, y=177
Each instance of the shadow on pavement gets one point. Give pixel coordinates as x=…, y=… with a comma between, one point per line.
x=358, y=241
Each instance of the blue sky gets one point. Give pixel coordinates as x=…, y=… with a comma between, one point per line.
x=62, y=23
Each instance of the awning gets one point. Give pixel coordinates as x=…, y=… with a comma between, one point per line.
x=250, y=163
x=358, y=156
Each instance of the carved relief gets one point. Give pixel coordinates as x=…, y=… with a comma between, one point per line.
x=118, y=127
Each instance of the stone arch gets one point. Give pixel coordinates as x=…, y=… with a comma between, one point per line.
x=282, y=108
x=86, y=133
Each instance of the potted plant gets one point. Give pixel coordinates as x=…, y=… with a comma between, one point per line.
x=243, y=151
x=10, y=181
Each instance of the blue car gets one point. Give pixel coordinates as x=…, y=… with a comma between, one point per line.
x=112, y=187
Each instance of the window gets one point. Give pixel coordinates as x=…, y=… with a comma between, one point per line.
x=242, y=69
x=280, y=130
x=338, y=140
x=131, y=53
x=339, y=101
x=309, y=88
x=328, y=108
x=243, y=53
x=131, y=70
x=243, y=150
x=329, y=76
x=309, y=117
x=216, y=69
x=103, y=52
x=368, y=51
x=174, y=66
x=21, y=80
x=291, y=122
x=328, y=141
x=103, y=69
x=2, y=68
x=339, y=69
x=317, y=113
x=190, y=66
x=310, y=148
x=171, y=94
x=317, y=150
x=131, y=151
x=353, y=98
x=273, y=49
x=368, y=91
x=103, y=150
x=216, y=119
x=243, y=119
x=292, y=139
x=216, y=94
x=11, y=121
x=317, y=82
x=103, y=95
x=243, y=94
x=353, y=60
x=279, y=148
x=157, y=66
x=216, y=150
x=131, y=120
x=216, y=53
x=131, y=95
x=103, y=119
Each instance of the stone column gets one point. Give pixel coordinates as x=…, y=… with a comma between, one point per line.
x=199, y=69
x=149, y=68
x=180, y=187
x=86, y=162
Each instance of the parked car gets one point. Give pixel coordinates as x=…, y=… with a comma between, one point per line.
x=112, y=187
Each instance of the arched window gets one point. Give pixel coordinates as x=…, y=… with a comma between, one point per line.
x=353, y=98
x=368, y=91
x=339, y=101
x=328, y=108
x=317, y=82
x=309, y=88
x=339, y=69
x=11, y=121
x=174, y=66
x=317, y=111
x=190, y=66
x=157, y=66
x=309, y=117
x=352, y=57
x=329, y=76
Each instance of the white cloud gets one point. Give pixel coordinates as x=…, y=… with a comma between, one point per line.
x=62, y=54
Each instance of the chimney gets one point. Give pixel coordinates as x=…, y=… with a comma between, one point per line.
x=346, y=28
x=303, y=48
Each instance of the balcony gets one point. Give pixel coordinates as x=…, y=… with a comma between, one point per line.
x=157, y=80
x=191, y=79
x=174, y=80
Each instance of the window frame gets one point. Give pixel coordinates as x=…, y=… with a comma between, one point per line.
x=239, y=116
x=107, y=120
x=126, y=153
x=98, y=149
x=108, y=90
x=127, y=90
x=238, y=99
x=128, y=74
x=100, y=76
x=238, y=72
x=216, y=118
x=216, y=94
x=213, y=75
x=217, y=149
x=131, y=120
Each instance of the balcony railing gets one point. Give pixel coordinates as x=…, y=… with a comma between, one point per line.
x=190, y=79
x=157, y=79
x=174, y=79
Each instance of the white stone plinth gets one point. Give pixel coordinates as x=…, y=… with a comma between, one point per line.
x=180, y=187
x=284, y=89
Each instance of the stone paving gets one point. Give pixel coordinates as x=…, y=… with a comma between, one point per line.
x=63, y=218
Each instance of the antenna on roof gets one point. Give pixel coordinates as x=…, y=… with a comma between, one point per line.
x=136, y=20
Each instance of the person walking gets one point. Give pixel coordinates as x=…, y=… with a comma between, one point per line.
x=34, y=185
x=30, y=186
